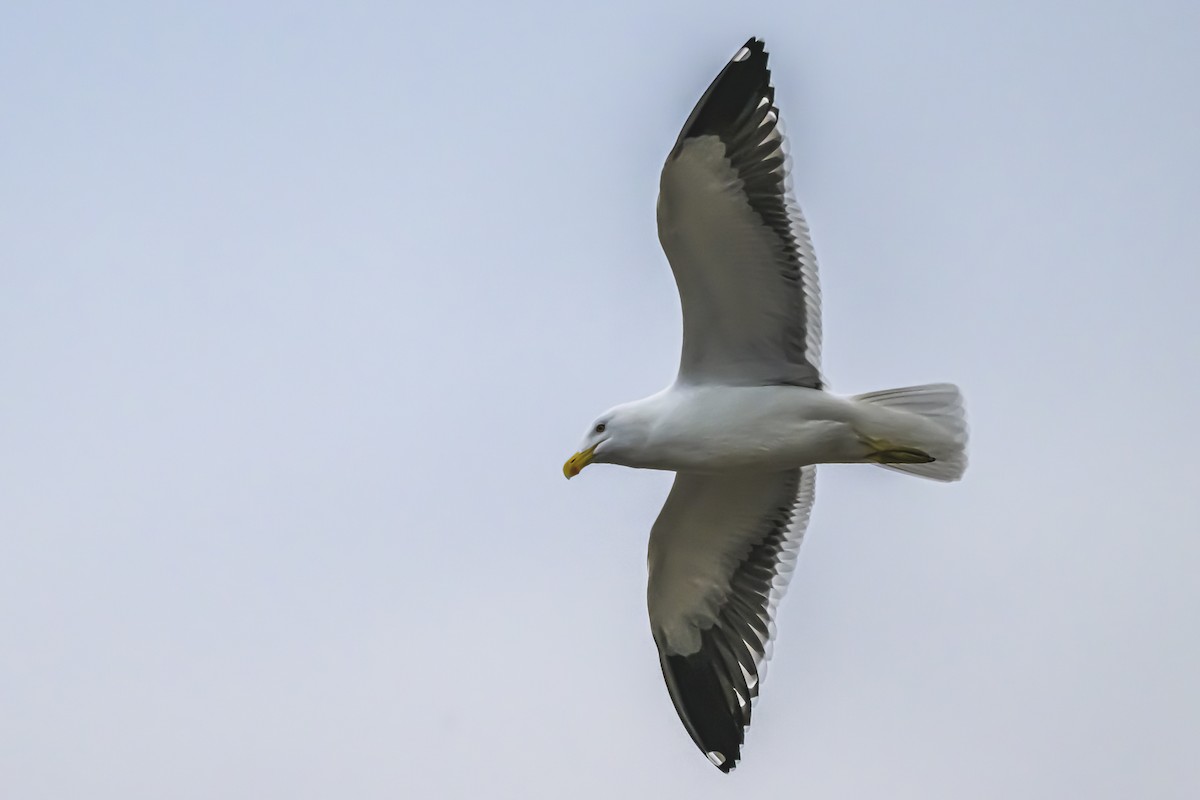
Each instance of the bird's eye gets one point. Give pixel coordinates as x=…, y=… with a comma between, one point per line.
x=600, y=428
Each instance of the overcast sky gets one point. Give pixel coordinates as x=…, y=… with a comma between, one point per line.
x=302, y=307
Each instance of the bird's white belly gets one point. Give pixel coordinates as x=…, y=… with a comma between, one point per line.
x=722, y=429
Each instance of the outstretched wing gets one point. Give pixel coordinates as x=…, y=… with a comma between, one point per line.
x=736, y=240
x=721, y=553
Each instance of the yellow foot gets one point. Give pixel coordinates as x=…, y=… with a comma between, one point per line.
x=888, y=453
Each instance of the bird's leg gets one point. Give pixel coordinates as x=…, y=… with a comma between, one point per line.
x=888, y=453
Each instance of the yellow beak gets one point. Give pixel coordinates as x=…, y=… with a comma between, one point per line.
x=578, y=461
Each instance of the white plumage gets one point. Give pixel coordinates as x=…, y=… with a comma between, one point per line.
x=748, y=415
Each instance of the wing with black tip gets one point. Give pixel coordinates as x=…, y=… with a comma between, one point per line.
x=721, y=553
x=736, y=240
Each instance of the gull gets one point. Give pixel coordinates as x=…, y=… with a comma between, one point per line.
x=748, y=415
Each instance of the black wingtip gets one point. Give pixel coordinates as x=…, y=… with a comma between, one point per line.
x=706, y=697
x=734, y=92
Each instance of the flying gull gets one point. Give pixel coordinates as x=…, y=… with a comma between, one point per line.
x=748, y=416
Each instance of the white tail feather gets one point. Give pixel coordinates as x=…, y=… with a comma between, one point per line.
x=940, y=427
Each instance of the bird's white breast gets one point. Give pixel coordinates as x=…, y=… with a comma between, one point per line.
x=729, y=428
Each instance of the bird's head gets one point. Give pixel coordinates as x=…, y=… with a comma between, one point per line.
x=613, y=433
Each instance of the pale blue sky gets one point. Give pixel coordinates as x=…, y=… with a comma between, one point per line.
x=302, y=306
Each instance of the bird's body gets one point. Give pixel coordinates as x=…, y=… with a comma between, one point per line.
x=712, y=428
x=715, y=429
x=749, y=415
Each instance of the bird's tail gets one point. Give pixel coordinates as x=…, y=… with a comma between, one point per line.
x=921, y=430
